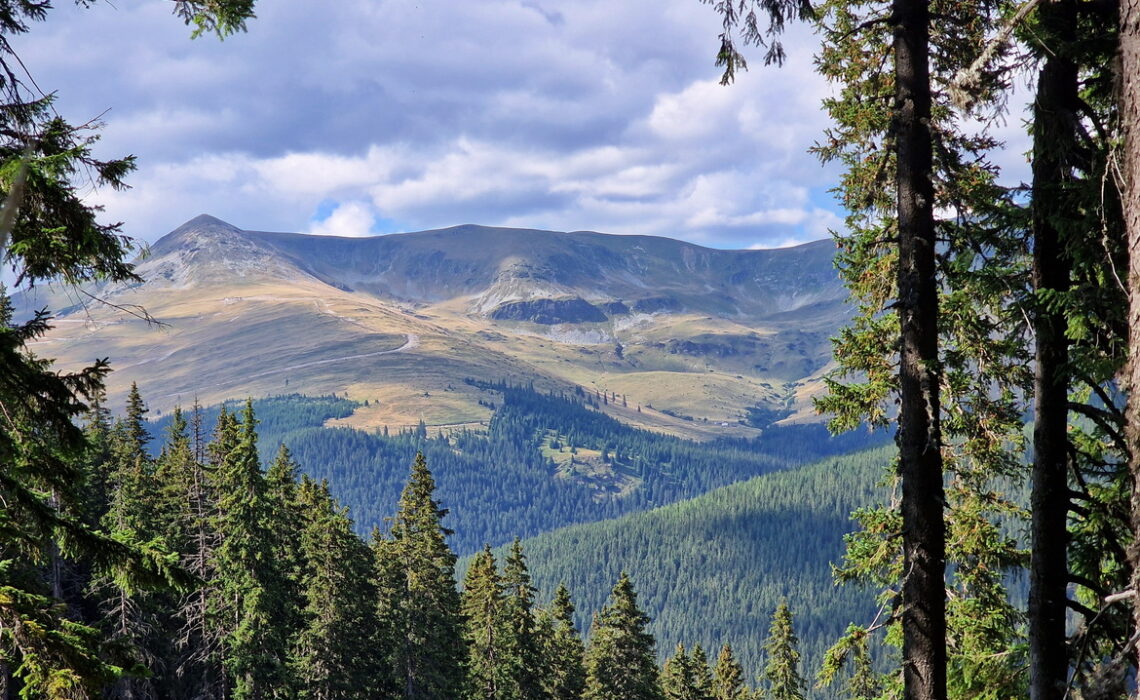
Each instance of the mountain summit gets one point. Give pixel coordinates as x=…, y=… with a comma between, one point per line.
x=683, y=338
x=545, y=277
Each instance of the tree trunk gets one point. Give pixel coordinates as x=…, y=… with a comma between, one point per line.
x=1130, y=121
x=919, y=435
x=1054, y=119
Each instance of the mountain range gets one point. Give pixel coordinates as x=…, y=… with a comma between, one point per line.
x=687, y=340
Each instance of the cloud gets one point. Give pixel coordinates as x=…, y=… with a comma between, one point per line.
x=581, y=114
x=348, y=219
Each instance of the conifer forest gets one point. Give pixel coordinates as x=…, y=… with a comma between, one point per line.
x=244, y=551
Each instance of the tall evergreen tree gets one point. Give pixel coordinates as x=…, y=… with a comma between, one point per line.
x=130, y=615
x=620, y=658
x=702, y=674
x=200, y=636
x=173, y=475
x=132, y=472
x=428, y=653
x=782, y=670
x=50, y=231
x=520, y=643
x=251, y=585
x=919, y=335
x=564, y=676
x=388, y=582
x=728, y=677
x=333, y=657
x=679, y=679
x=292, y=514
x=484, y=630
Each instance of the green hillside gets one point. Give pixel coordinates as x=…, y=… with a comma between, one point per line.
x=544, y=462
x=712, y=569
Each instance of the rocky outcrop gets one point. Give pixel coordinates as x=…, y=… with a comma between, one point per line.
x=549, y=311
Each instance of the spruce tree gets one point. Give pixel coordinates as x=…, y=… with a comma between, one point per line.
x=520, y=642
x=702, y=674
x=199, y=639
x=620, y=657
x=728, y=677
x=678, y=677
x=564, y=671
x=251, y=585
x=782, y=670
x=937, y=330
x=388, y=583
x=50, y=231
x=428, y=652
x=97, y=456
x=129, y=614
x=332, y=655
x=487, y=671
x=291, y=514
x=133, y=487
x=173, y=473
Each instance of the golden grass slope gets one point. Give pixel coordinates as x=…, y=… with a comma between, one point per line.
x=237, y=319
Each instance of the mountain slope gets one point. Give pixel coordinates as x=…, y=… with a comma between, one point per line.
x=544, y=462
x=712, y=569
x=677, y=330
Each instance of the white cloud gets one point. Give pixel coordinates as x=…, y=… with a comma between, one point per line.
x=349, y=219
x=526, y=113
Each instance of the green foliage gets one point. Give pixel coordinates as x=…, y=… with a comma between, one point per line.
x=710, y=570
x=520, y=641
x=332, y=653
x=564, y=671
x=428, y=648
x=487, y=673
x=252, y=588
x=51, y=499
x=620, y=657
x=366, y=470
x=682, y=676
x=728, y=682
x=739, y=17
x=782, y=672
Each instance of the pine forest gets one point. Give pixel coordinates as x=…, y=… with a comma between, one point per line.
x=958, y=518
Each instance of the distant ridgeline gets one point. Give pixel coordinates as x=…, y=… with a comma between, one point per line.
x=546, y=461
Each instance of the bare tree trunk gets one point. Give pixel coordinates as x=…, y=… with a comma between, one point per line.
x=1130, y=121
x=1054, y=120
x=919, y=433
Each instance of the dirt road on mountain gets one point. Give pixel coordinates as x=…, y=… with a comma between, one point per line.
x=411, y=343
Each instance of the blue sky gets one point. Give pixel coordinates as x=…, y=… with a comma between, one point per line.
x=359, y=117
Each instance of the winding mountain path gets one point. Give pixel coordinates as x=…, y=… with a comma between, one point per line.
x=411, y=343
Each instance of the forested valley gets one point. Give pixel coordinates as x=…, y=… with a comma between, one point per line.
x=504, y=482
x=265, y=589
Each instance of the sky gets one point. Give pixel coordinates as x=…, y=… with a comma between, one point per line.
x=364, y=117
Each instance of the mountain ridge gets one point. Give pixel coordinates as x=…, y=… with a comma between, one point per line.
x=495, y=265
x=690, y=337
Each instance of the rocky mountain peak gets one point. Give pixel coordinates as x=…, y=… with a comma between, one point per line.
x=206, y=249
